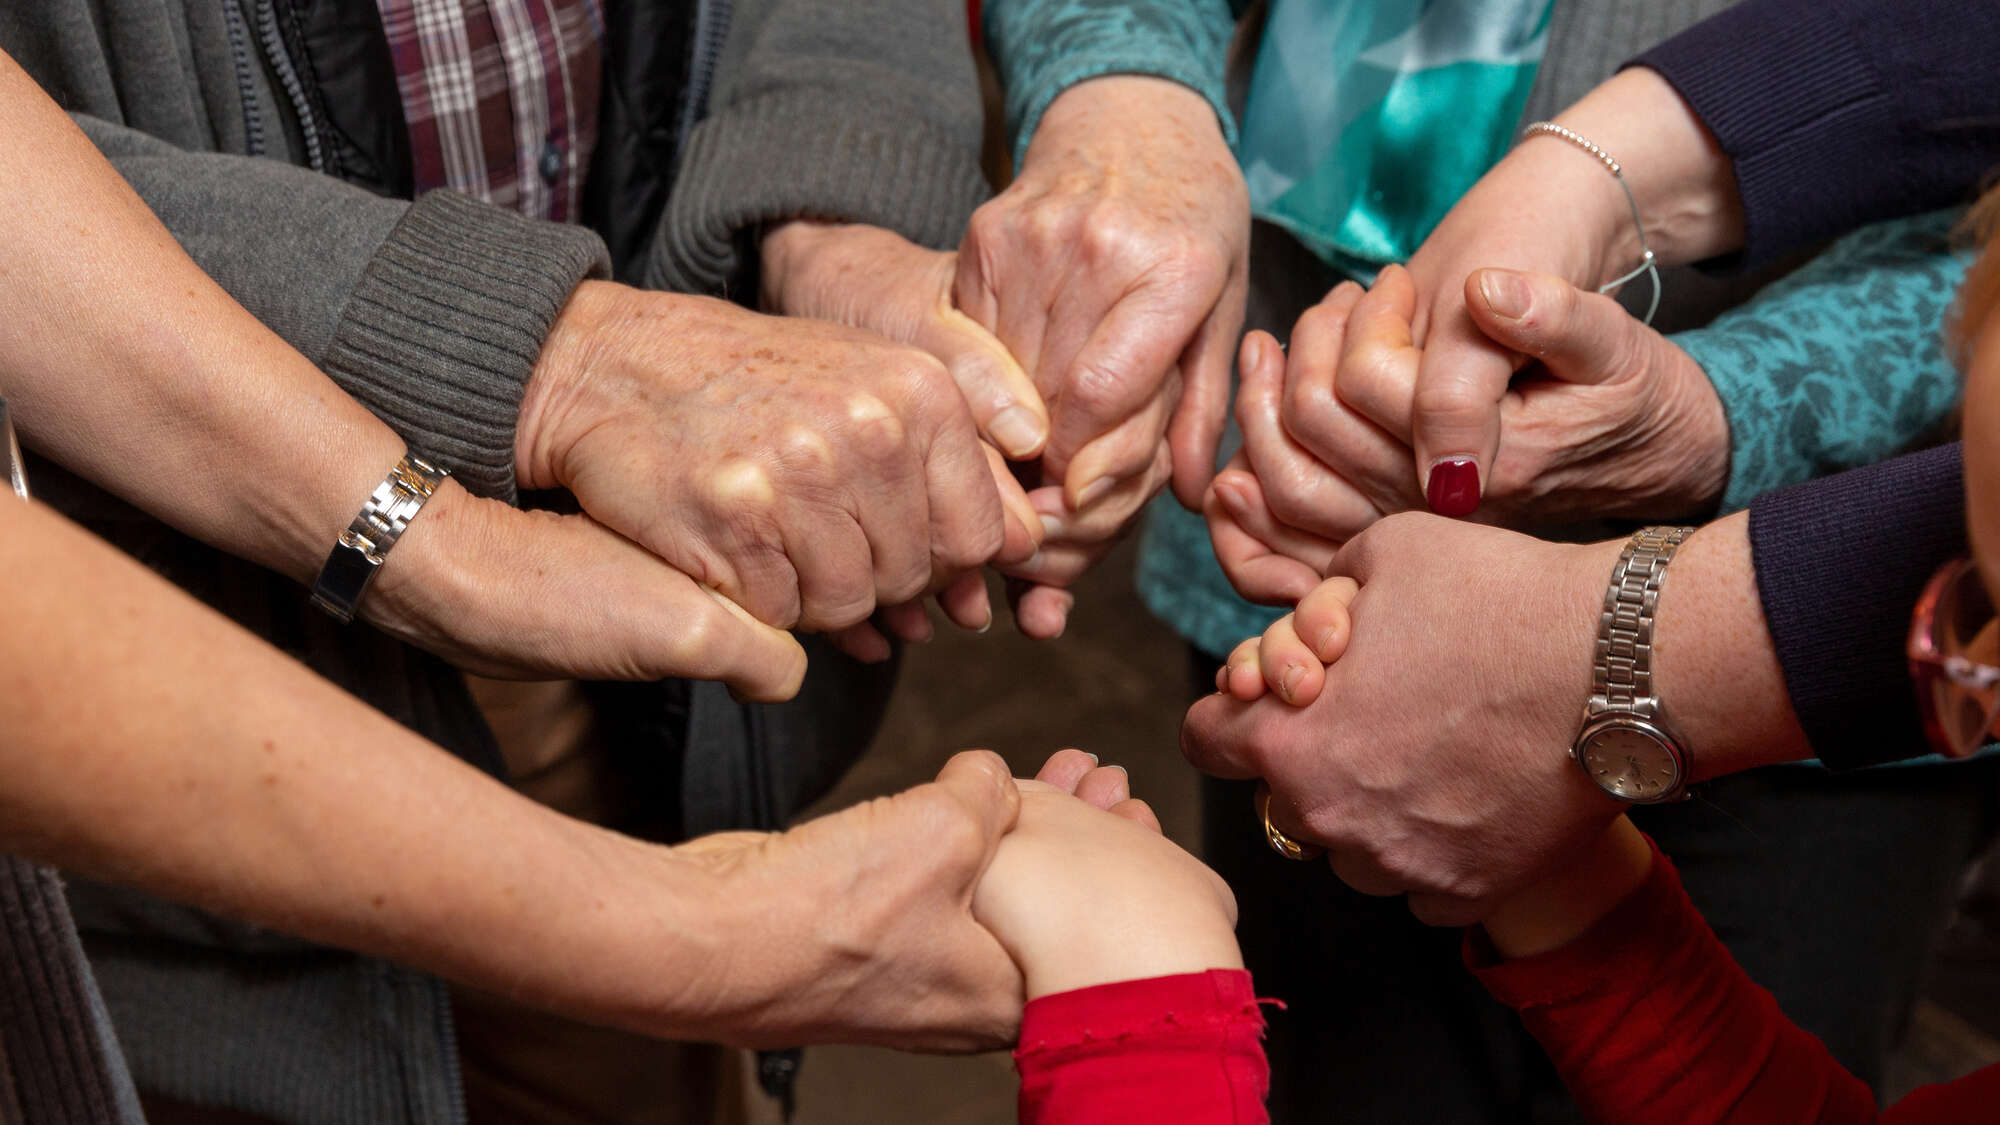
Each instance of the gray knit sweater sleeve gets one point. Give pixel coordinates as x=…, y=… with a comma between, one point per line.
x=866, y=111
x=431, y=314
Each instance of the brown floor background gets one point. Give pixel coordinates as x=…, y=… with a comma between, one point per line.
x=1115, y=684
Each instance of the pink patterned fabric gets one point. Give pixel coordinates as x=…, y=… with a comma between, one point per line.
x=500, y=97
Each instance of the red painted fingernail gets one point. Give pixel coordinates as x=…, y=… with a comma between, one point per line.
x=1453, y=489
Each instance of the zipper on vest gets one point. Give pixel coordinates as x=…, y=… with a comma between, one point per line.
x=711, y=30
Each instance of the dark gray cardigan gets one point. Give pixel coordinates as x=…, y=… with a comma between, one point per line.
x=432, y=313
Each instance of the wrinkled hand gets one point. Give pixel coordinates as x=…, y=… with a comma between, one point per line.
x=1614, y=421
x=1549, y=207
x=808, y=471
x=1434, y=760
x=874, y=279
x=1114, y=268
x=503, y=592
x=858, y=927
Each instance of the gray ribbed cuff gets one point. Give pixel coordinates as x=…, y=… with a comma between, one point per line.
x=441, y=335
x=790, y=155
x=59, y=1061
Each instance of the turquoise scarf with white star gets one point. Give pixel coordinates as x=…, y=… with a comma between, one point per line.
x=1367, y=119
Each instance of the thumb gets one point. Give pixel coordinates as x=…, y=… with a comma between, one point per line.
x=1003, y=400
x=710, y=637
x=981, y=786
x=1580, y=337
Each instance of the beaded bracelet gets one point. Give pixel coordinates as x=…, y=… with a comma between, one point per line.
x=1647, y=264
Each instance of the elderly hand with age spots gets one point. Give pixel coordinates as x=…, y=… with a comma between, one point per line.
x=1114, y=268
x=810, y=472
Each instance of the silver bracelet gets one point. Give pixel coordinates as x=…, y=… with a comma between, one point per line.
x=359, y=552
x=1647, y=264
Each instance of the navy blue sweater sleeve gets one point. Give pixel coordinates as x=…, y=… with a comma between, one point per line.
x=1841, y=562
x=1839, y=113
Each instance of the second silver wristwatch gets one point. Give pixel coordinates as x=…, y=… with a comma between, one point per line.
x=1625, y=745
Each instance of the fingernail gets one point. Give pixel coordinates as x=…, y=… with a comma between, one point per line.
x=1233, y=498
x=1094, y=491
x=1069, y=603
x=1453, y=489
x=1018, y=431
x=1506, y=293
x=1091, y=756
x=984, y=629
x=1053, y=527
x=1289, y=685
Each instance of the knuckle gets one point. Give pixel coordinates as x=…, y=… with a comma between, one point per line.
x=1454, y=401
x=990, y=224
x=904, y=583
x=1287, y=498
x=1109, y=236
x=1098, y=390
x=1371, y=373
x=1313, y=322
x=974, y=544
x=877, y=430
x=953, y=831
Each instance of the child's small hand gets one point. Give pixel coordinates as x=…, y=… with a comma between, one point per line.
x=1291, y=657
x=1079, y=897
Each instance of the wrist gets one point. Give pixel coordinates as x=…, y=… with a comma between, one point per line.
x=783, y=252
x=1566, y=902
x=561, y=372
x=622, y=950
x=1714, y=666
x=1683, y=183
x=1100, y=114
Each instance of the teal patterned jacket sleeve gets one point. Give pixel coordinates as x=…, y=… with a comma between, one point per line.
x=1842, y=363
x=1043, y=47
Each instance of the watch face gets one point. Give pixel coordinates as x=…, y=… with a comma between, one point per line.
x=1630, y=762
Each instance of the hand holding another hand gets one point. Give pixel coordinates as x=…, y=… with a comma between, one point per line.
x=808, y=471
x=1613, y=421
x=1433, y=758
x=1115, y=268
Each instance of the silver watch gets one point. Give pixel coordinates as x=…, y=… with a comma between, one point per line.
x=1625, y=745
x=360, y=550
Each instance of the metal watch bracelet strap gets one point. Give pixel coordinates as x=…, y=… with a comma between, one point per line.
x=1622, y=674
x=359, y=552
x=12, y=471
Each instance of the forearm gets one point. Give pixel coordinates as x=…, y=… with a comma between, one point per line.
x=152, y=743
x=1837, y=113
x=1714, y=663
x=1044, y=47
x=431, y=314
x=1645, y=1015
x=1680, y=179
x=129, y=366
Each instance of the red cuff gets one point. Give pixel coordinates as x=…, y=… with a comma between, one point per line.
x=1185, y=1050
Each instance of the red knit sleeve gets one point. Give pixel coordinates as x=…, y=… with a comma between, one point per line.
x=1650, y=1021
x=1179, y=1050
